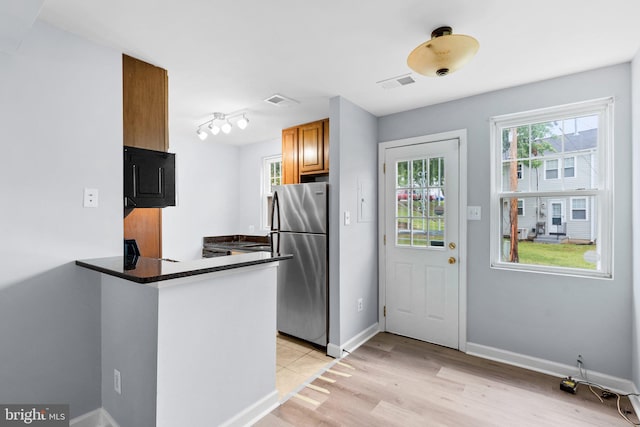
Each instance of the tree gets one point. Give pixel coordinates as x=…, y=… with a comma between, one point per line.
x=527, y=143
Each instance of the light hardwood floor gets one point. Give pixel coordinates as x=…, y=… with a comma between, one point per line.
x=397, y=381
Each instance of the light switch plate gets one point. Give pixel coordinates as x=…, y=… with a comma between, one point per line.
x=474, y=213
x=347, y=218
x=90, y=198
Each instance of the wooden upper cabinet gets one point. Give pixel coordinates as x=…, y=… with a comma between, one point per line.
x=290, y=174
x=311, y=148
x=305, y=152
x=325, y=133
x=145, y=105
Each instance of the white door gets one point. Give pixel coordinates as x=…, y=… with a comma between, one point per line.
x=421, y=250
x=556, y=218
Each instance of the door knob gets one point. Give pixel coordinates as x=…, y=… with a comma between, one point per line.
x=452, y=260
x=452, y=245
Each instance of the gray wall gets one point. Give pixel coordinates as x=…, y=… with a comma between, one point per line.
x=61, y=131
x=545, y=316
x=130, y=345
x=353, y=248
x=207, y=187
x=635, y=83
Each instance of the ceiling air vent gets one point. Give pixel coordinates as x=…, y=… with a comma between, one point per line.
x=280, y=100
x=403, y=80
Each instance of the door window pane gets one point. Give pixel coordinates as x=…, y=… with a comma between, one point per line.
x=420, y=202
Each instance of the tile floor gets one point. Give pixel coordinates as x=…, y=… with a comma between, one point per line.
x=296, y=362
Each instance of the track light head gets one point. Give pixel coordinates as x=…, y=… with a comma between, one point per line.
x=226, y=127
x=201, y=134
x=214, y=129
x=243, y=122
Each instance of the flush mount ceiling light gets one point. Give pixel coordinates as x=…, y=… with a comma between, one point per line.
x=443, y=54
x=222, y=122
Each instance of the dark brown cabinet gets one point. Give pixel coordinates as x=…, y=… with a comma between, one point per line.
x=305, y=152
x=145, y=125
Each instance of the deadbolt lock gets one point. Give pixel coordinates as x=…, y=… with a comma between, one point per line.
x=452, y=260
x=452, y=245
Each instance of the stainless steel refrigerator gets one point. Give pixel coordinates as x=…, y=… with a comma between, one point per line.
x=299, y=226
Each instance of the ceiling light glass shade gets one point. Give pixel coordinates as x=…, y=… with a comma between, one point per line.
x=443, y=54
x=215, y=129
x=202, y=134
x=226, y=127
x=242, y=123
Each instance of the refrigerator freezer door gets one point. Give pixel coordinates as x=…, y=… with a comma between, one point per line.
x=301, y=207
x=302, y=287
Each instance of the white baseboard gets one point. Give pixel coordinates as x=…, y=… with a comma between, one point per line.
x=95, y=418
x=254, y=412
x=548, y=367
x=635, y=401
x=355, y=342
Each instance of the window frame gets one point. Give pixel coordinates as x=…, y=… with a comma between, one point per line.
x=265, y=191
x=602, y=191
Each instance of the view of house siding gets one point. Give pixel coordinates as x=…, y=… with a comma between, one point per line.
x=570, y=164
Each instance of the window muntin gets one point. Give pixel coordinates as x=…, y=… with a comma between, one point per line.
x=420, y=202
x=566, y=187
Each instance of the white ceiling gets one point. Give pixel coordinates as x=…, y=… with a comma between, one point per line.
x=229, y=56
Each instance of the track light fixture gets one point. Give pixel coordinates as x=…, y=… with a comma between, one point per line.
x=222, y=122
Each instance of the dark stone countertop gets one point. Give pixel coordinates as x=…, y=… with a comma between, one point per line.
x=236, y=242
x=149, y=270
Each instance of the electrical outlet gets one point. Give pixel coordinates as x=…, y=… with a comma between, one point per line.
x=90, y=198
x=117, y=381
x=360, y=304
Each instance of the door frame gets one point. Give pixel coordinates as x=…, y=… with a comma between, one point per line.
x=461, y=136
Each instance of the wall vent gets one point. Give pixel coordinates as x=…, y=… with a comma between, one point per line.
x=394, y=82
x=280, y=100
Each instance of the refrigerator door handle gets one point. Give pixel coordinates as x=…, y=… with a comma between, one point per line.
x=275, y=230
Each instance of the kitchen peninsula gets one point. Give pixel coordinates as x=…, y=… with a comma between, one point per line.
x=188, y=343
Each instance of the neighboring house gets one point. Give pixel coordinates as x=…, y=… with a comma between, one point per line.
x=573, y=166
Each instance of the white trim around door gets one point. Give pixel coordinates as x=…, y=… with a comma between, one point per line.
x=461, y=136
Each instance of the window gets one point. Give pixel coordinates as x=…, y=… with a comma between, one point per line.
x=420, y=202
x=570, y=167
x=566, y=152
x=551, y=169
x=579, y=209
x=272, y=175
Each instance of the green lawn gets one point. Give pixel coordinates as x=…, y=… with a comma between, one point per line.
x=561, y=255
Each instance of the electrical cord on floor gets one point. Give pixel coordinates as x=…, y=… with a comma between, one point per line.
x=605, y=392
